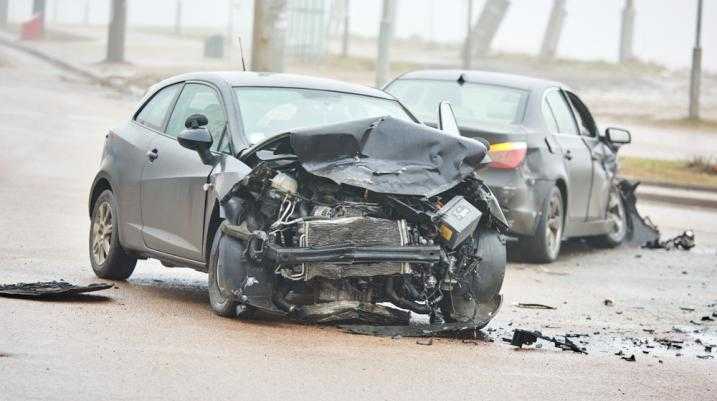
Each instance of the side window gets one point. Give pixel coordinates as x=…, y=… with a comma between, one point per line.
x=549, y=117
x=563, y=115
x=585, y=119
x=155, y=110
x=198, y=99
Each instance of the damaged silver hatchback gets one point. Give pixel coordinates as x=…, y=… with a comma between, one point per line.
x=302, y=197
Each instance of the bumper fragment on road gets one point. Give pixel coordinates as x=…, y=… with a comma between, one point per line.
x=49, y=290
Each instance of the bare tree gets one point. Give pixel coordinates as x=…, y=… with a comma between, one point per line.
x=486, y=27
x=269, y=35
x=467, y=46
x=346, y=26
x=116, y=32
x=385, y=37
x=551, y=38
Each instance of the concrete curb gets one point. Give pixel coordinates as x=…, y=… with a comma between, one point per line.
x=706, y=199
x=85, y=73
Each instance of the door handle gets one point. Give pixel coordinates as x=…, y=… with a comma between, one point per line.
x=153, y=154
x=568, y=155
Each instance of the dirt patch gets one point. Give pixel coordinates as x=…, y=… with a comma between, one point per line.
x=672, y=172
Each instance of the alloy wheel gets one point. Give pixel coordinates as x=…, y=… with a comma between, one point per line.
x=554, y=222
x=102, y=233
x=616, y=216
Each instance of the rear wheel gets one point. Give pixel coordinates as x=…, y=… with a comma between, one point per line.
x=544, y=247
x=618, y=222
x=109, y=260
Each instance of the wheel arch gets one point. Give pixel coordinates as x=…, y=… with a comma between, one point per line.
x=101, y=183
x=213, y=221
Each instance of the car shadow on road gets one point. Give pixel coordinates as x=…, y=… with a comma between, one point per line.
x=569, y=250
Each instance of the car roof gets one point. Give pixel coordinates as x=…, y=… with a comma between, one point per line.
x=486, y=77
x=279, y=80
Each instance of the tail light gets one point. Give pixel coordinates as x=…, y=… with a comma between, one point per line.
x=507, y=155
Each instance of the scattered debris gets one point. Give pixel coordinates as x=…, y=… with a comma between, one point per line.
x=607, y=302
x=705, y=356
x=49, y=289
x=527, y=337
x=669, y=343
x=707, y=319
x=684, y=241
x=534, y=306
x=686, y=309
x=630, y=358
x=421, y=341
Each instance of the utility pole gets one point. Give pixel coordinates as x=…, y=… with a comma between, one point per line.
x=626, y=31
x=347, y=24
x=551, y=38
x=269, y=35
x=116, y=32
x=385, y=37
x=467, y=46
x=178, y=18
x=4, y=4
x=696, y=73
x=486, y=27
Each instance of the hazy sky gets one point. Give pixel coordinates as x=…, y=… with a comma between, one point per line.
x=664, y=28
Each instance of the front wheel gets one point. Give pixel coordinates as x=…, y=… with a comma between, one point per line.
x=544, y=247
x=222, y=302
x=618, y=222
x=109, y=260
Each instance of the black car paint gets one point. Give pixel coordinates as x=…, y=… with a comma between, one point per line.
x=582, y=166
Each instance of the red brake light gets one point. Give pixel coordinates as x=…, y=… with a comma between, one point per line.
x=507, y=155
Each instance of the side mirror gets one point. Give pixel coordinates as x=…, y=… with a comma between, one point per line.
x=196, y=137
x=618, y=136
x=447, y=119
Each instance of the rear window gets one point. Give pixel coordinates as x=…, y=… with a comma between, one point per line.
x=473, y=103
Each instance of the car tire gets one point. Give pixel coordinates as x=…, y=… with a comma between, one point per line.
x=222, y=304
x=617, y=215
x=461, y=304
x=109, y=260
x=544, y=247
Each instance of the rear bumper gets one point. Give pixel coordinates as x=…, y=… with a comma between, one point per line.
x=520, y=198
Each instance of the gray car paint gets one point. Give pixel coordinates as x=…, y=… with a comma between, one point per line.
x=522, y=191
x=175, y=188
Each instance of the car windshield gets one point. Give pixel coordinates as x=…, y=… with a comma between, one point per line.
x=266, y=111
x=473, y=104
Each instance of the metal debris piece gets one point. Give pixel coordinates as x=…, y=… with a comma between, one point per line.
x=705, y=356
x=419, y=330
x=527, y=337
x=686, y=309
x=630, y=358
x=428, y=341
x=49, y=289
x=640, y=229
x=534, y=306
x=684, y=241
x=607, y=302
x=707, y=319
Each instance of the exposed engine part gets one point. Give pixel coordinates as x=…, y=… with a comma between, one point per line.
x=284, y=183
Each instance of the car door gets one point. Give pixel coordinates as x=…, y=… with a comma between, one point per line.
x=173, y=180
x=576, y=156
x=130, y=146
x=600, y=156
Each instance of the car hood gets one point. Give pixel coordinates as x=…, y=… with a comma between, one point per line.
x=387, y=155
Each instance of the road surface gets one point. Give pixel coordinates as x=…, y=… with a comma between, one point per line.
x=154, y=336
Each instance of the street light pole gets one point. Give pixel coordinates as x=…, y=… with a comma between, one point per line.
x=696, y=73
x=385, y=37
x=468, y=45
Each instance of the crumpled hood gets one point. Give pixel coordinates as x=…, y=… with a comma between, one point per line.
x=388, y=155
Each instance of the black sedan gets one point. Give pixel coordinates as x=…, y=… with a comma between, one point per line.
x=552, y=170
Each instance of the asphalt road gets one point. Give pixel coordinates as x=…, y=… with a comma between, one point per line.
x=154, y=336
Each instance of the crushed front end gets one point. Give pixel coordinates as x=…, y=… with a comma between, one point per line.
x=327, y=228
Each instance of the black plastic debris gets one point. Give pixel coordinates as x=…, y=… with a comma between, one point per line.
x=705, y=356
x=669, y=343
x=684, y=241
x=457, y=329
x=527, y=337
x=707, y=319
x=640, y=229
x=630, y=358
x=534, y=306
x=607, y=302
x=49, y=289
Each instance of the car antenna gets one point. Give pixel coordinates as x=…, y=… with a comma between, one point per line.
x=241, y=54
